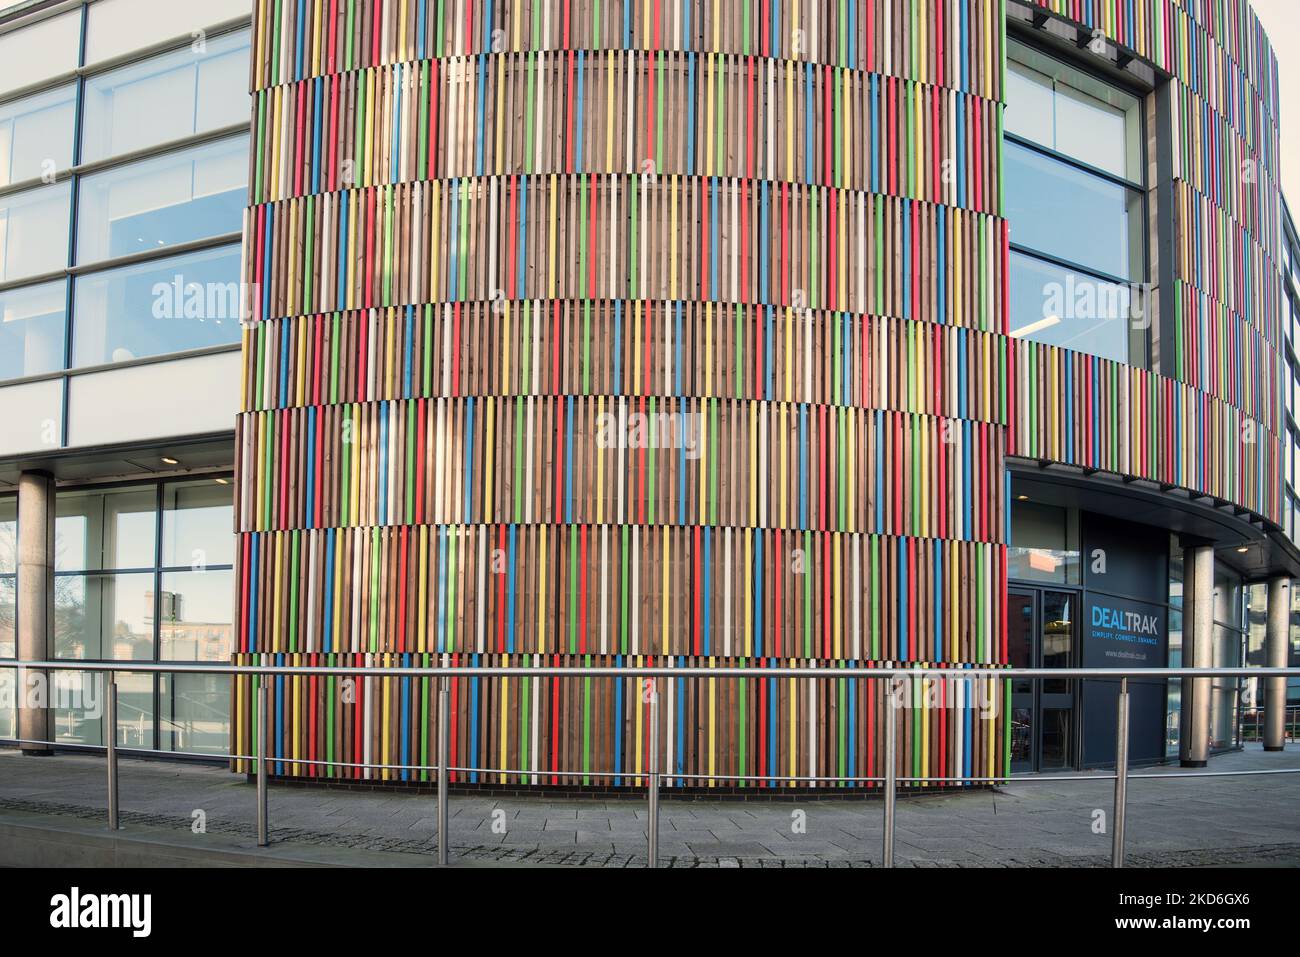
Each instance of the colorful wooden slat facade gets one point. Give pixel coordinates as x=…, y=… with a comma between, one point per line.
x=649, y=332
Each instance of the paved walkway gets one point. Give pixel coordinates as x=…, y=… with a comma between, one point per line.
x=1214, y=821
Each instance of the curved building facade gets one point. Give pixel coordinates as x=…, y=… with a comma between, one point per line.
x=719, y=334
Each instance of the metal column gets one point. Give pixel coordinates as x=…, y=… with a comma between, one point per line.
x=444, y=719
x=652, y=819
x=263, y=825
x=35, y=611
x=891, y=770
x=1198, y=652
x=1276, y=644
x=110, y=742
x=1121, y=775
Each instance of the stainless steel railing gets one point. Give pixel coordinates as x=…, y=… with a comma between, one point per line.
x=653, y=777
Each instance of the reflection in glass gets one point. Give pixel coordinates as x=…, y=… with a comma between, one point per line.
x=36, y=135
x=175, y=198
x=1055, y=738
x=96, y=530
x=196, y=622
x=78, y=707
x=104, y=617
x=1022, y=739
x=1062, y=308
x=1044, y=546
x=1072, y=112
x=1058, y=638
x=8, y=616
x=8, y=535
x=1068, y=214
x=1020, y=638
x=166, y=98
x=32, y=327
x=1224, y=692
x=156, y=308
x=197, y=521
x=34, y=231
x=134, y=710
x=8, y=703
x=195, y=713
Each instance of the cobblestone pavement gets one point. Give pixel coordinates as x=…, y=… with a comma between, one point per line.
x=1212, y=821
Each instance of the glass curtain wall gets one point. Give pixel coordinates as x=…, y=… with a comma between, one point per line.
x=8, y=605
x=121, y=199
x=1074, y=196
x=144, y=573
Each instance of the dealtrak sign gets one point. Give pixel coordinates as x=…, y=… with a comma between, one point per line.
x=1126, y=625
x=1123, y=633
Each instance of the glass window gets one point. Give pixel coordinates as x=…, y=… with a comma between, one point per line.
x=1031, y=110
x=46, y=49
x=1044, y=544
x=166, y=98
x=8, y=579
x=32, y=329
x=103, y=531
x=135, y=710
x=198, y=523
x=1064, y=308
x=195, y=713
x=104, y=617
x=34, y=231
x=1068, y=214
x=195, y=621
x=156, y=308
x=8, y=616
x=36, y=135
x=116, y=27
x=1227, y=597
x=8, y=535
x=1071, y=112
x=8, y=703
x=175, y=198
x=78, y=707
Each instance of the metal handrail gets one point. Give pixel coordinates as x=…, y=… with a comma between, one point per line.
x=653, y=775
x=643, y=671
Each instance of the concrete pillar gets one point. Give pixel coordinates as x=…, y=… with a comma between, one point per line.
x=35, y=606
x=1277, y=638
x=1198, y=652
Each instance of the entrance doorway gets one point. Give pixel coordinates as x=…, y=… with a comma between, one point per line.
x=1041, y=633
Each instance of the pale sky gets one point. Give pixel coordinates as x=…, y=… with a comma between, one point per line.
x=1281, y=19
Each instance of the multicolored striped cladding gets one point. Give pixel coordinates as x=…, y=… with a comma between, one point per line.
x=652, y=332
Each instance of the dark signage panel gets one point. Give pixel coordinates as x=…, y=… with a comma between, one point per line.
x=1121, y=558
x=1124, y=633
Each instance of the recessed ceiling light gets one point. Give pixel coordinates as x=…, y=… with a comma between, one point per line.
x=169, y=460
x=222, y=481
x=1022, y=498
x=1244, y=549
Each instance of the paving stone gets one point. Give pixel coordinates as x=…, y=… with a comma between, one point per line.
x=1202, y=822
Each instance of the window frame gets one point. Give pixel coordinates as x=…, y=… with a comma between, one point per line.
x=1136, y=188
x=158, y=571
x=70, y=270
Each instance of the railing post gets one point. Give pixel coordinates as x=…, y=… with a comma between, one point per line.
x=263, y=824
x=444, y=778
x=891, y=769
x=1121, y=775
x=652, y=822
x=110, y=740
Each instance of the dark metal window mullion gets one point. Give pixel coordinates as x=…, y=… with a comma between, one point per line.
x=69, y=294
x=1068, y=265
x=1082, y=167
x=157, y=603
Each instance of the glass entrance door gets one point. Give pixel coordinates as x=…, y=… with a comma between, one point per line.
x=1041, y=634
